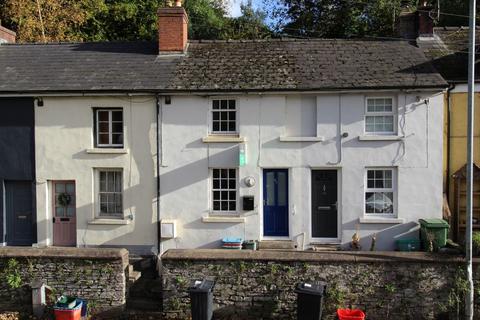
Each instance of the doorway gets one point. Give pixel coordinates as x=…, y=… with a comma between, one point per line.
x=325, y=204
x=64, y=214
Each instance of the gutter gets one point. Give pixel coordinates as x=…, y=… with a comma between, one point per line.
x=120, y=92
x=159, y=229
x=449, y=125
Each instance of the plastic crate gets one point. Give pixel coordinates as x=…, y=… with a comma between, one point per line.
x=68, y=314
x=408, y=245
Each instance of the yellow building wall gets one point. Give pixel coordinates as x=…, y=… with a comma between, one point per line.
x=456, y=156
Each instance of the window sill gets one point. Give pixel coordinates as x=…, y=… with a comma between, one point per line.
x=107, y=151
x=380, y=220
x=223, y=139
x=380, y=138
x=223, y=219
x=301, y=139
x=109, y=222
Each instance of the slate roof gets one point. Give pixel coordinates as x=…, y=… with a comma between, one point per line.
x=448, y=51
x=101, y=66
x=216, y=66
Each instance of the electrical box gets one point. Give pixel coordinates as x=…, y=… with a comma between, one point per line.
x=168, y=229
x=248, y=203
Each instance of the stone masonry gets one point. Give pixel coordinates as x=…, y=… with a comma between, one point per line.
x=97, y=275
x=260, y=284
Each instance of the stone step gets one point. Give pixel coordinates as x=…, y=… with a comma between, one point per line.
x=325, y=247
x=141, y=263
x=144, y=304
x=278, y=245
x=133, y=275
x=146, y=288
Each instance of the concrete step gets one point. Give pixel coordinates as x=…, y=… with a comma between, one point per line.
x=146, y=288
x=325, y=247
x=144, y=304
x=279, y=245
x=141, y=263
x=133, y=275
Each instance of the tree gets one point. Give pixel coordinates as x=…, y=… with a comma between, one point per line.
x=105, y=20
x=61, y=19
x=334, y=18
x=249, y=25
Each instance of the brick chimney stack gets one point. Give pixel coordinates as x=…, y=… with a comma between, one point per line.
x=6, y=35
x=415, y=23
x=425, y=21
x=172, y=29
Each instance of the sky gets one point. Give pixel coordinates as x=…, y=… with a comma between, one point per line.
x=235, y=6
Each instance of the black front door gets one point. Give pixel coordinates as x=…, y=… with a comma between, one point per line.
x=324, y=204
x=19, y=213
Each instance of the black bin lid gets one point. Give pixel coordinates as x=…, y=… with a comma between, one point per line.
x=201, y=286
x=317, y=288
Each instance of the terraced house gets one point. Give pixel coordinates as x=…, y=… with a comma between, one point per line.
x=177, y=143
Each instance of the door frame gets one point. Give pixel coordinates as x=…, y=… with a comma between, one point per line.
x=289, y=199
x=339, y=207
x=52, y=207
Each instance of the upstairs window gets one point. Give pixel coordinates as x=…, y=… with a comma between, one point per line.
x=224, y=190
x=109, y=128
x=224, y=116
x=380, y=191
x=380, y=116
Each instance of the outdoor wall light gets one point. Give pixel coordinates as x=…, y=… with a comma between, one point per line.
x=39, y=102
x=168, y=100
x=249, y=181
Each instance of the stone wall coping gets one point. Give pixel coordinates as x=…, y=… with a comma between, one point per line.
x=311, y=256
x=57, y=252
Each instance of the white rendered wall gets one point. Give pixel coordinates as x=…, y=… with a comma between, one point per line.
x=186, y=159
x=63, y=133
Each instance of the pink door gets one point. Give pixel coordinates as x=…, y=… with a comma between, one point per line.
x=64, y=215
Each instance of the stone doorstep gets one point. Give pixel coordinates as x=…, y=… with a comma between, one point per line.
x=276, y=245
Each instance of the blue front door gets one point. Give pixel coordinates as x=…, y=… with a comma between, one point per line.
x=275, y=202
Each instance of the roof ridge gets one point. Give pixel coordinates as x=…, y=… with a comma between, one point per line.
x=56, y=43
x=288, y=39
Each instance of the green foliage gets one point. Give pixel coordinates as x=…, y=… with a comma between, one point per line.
x=456, y=296
x=107, y=20
x=336, y=296
x=390, y=288
x=334, y=18
x=11, y=274
x=181, y=281
x=476, y=240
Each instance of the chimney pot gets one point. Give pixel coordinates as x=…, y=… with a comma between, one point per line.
x=172, y=29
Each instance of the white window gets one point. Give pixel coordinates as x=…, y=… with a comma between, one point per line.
x=380, y=116
x=224, y=116
x=380, y=191
x=109, y=128
x=110, y=193
x=224, y=190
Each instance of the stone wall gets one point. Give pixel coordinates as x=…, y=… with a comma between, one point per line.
x=260, y=284
x=97, y=275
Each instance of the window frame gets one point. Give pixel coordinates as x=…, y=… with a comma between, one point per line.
x=97, y=143
x=393, y=190
x=212, y=189
x=219, y=132
x=98, y=214
x=392, y=113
